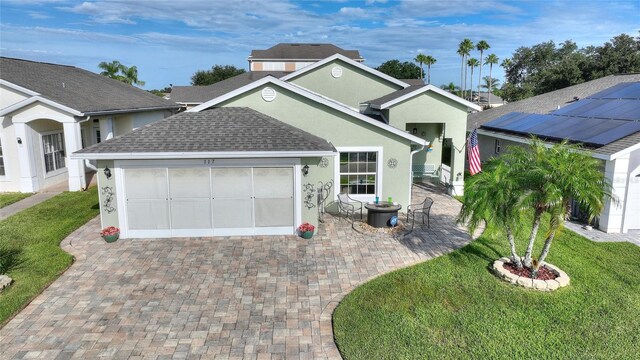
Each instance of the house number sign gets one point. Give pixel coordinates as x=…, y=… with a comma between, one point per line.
x=209, y=161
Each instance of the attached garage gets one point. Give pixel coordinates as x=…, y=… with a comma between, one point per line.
x=219, y=172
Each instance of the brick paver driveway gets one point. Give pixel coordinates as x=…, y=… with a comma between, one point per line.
x=265, y=297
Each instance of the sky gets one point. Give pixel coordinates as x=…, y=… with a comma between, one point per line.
x=169, y=40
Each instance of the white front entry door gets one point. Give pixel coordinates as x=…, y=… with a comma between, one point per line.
x=206, y=201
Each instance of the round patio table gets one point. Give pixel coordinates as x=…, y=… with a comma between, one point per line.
x=380, y=214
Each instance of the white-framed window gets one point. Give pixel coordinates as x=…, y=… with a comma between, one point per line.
x=359, y=172
x=53, y=149
x=497, y=147
x=2, y=170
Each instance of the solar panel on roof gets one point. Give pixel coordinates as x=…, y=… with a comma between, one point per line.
x=629, y=90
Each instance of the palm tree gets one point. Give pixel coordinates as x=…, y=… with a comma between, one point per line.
x=451, y=87
x=491, y=60
x=110, y=69
x=473, y=62
x=464, y=49
x=481, y=46
x=492, y=196
x=120, y=72
x=429, y=60
x=421, y=59
x=130, y=75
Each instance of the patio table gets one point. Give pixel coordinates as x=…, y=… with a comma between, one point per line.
x=380, y=214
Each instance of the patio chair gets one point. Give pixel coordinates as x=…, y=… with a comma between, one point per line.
x=348, y=205
x=424, y=208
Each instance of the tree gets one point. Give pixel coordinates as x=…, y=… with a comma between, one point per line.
x=491, y=60
x=217, y=73
x=120, y=72
x=400, y=70
x=451, y=87
x=464, y=50
x=481, y=46
x=429, y=60
x=490, y=84
x=473, y=62
x=421, y=59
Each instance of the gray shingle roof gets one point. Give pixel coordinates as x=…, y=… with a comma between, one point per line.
x=78, y=89
x=546, y=103
x=303, y=52
x=394, y=95
x=200, y=94
x=226, y=129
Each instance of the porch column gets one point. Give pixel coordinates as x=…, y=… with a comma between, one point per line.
x=75, y=168
x=458, y=152
x=616, y=173
x=106, y=128
x=26, y=160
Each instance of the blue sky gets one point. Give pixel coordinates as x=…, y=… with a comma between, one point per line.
x=168, y=40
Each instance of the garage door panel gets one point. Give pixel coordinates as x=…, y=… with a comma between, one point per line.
x=148, y=214
x=191, y=214
x=231, y=182
x=146, y=183
x=273, y=182
x=232, y=213
x=189, y=183
x=274, y=212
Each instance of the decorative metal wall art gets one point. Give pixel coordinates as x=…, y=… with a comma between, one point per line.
x=324, y=162
x=107, y=196
x=392, y=163
x=308, y=189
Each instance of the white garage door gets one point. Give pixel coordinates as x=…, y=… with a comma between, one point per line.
x=164, y=202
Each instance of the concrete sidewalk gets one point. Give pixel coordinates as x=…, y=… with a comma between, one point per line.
x=32, y=200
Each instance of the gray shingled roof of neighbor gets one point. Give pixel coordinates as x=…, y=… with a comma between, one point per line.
x=394, y=95
x=298, y=51
x=225, y=129
x=200, y=94
x=79, y=89
x=414, y=82
x=551, y=101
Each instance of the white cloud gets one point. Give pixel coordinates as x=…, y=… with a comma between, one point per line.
x=38, y=15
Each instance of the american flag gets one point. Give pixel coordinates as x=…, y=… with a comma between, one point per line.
x=473, y=154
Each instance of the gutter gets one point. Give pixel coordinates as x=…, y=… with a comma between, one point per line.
x=411, y=167
x=198, y=155
x=112, y=112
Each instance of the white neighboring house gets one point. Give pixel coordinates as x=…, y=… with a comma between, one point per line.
x=48, y=111
x=602, y=114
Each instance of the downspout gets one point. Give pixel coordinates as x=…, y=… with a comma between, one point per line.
x=411, y=168
x=87, y=164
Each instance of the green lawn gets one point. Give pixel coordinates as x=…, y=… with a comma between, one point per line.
x=10, y=198
x=30, y=245
x=452, y=307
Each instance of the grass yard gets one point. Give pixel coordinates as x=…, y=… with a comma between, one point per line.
x=452, y=307
x=30, y=245
x=7, y=199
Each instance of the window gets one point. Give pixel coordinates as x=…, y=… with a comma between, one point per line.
x=358, y=172
x=2, y=172
x=53, y=145
x=497, y=146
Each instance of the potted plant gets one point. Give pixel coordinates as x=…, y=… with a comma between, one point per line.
x=306, y=230
x=110, y=234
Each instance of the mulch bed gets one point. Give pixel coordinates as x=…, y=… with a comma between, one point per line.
x=543, y=272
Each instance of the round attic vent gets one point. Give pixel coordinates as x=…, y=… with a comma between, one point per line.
x=268, y=94
x=336, y=72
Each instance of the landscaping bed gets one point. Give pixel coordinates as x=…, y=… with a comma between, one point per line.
x=30, y=245
x=453, y=307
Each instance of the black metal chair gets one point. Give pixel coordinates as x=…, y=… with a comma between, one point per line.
x=423, y=207
x=348, y=205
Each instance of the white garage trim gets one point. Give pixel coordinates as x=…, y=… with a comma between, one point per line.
x=201, y=155
x=121, y=167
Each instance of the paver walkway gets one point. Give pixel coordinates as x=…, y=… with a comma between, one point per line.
x=32, y=200
x=263, y=297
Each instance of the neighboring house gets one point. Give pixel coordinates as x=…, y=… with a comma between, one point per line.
x=292, y=57
x=48, y=111
x=488, y=101
x=250, y=161
x=603, y=115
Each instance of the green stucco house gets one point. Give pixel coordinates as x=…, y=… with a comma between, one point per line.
x=251, y=161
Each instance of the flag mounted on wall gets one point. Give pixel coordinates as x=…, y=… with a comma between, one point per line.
x=473, y=153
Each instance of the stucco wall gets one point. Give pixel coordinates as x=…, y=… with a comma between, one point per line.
x=10, y=96
x=340, y=129
x=352, y=88
x=107, y=191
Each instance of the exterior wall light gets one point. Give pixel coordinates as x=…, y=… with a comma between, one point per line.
x=19, y=141
x=305, y=170
x=107, y=173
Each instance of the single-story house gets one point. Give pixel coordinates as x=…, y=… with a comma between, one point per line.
x=603, y=115
x=251, y=161
x=48, y=111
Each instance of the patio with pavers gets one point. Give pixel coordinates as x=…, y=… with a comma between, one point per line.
x=262, y=297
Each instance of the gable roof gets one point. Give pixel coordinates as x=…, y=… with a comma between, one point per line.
x=311, y=96
x=548, y=102
x=395, y=97
x=78, y=89
x=200, y=94
x=300, y=51
x=345, y=59
x=219, y=132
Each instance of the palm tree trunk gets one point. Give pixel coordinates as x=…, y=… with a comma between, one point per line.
x=480, y=78
x=464, y=92
x=532, y=238
x=428, y=74
x=546, y=247
x=461, y=75
x=490, y=85
x=515, y=259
